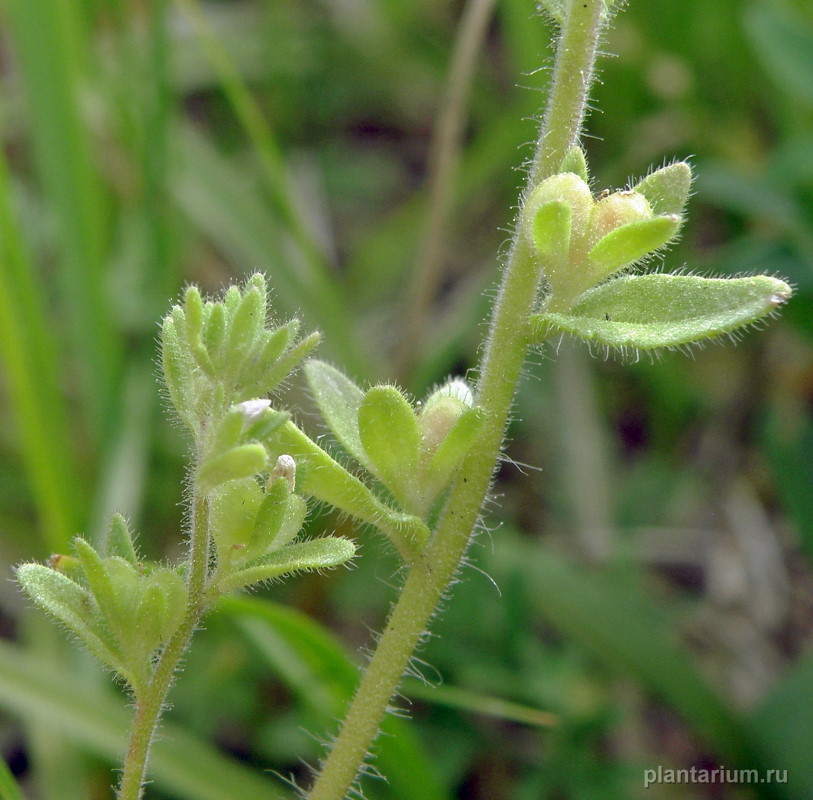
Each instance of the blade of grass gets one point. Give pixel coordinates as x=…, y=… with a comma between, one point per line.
x=9, y=788
x=50, y=43
x=318, y=671
x=444, y=159
x=322, y=285
x=478, y=703
x=227, y=208
x=29, y=357
x=181, y=764
x=57, y=765
x=783, y=727
x=613, y=620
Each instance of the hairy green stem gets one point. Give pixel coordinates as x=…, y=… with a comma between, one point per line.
x=504, y=355
x=151, y=698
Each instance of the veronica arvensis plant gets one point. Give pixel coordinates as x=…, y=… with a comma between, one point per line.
x=422, y=471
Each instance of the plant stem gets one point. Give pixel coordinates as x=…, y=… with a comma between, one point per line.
x=504, y=356
x=150, y=700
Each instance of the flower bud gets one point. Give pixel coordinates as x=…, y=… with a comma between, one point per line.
x=567, y=188
x=615, y=210
x=440, y=412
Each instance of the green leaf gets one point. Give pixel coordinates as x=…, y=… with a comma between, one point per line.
x=650, y=311
x=452, y=450
x=327, y=480
x=338, y=399
x=120, y=540
x=667, y=189
x=550, y=233
x=239, y=462
x=272, y=346
x=172, y=587
x=287, y=364
x=181, y=765
x=70, y=604
x=99, y=582
x=233, y=512
x=631, y=242
x=9, y=788
x=576, y=163
x=149, y=618
x=782, y=727
x=389, y=433
x=329, y=551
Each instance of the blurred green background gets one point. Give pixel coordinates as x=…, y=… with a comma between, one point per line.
x=641, y=594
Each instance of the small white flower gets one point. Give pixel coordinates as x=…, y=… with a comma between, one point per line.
x=253, y=408
x=285, y=468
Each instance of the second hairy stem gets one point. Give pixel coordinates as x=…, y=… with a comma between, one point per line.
x=150, y=699
x=502, y=363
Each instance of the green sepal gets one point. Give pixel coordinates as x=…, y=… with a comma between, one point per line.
x=171, y=585
x=149, y=619
x=279, y=520
x=289, y=361
x=233, y=511
x=329, y=551
x=667, y=189
x=391, y=438
x=550, y=233
x=239, y=462
x=120, y=540
x=231, y=301
x=296, y=509
x=176, y=371
x=247, y=323
x=576, y=162
x=71, y=605
x=229, y=431
x=323, y=478
x=628, y=243
x=98, y=580
x=214, y=334
x=338, y=399
x=265, y=425
x=272, y=345
x=451, y=451
x=193, y=306
x=124, y=578
x=651, y=311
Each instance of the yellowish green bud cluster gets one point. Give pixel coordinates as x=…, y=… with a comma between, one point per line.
x=121, y=608
x=218, y=353
x=581, y=243
x=581, y=240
